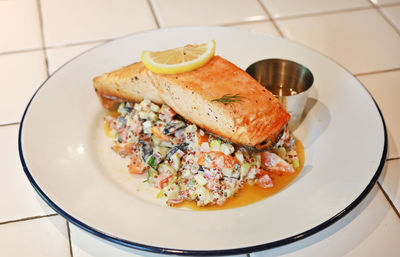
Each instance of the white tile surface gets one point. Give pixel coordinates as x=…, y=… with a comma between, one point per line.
x=371, y=229
x=361, y=41
x=71, y=21
x=60, y=55
x=385, y=88
x=286, y=8
x=206, y=12
x=19, y=25
x=393, y=14
x=85, y=244
x=18, y=199
x=390, y=181
x=35, y=238
x=260, y=26
x=21, y=74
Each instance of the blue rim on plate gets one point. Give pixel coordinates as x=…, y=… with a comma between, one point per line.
x=163, y=250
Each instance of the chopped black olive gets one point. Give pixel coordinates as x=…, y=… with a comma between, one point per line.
x=173, y=126
x=146, y=149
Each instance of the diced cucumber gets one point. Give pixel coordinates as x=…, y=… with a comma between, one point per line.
x=215, y=145
x=119, y=137
x=152, y=162
x=164, y=167
x=239, y=156
x=257, y=160
x=205, y=147
x=154, y=107
x=152, y=116
x=175, y=160
x=150, y=175
x=191, y=128
x=227, y=148
x=282, y=152
x=204, y=195
x=145, y=104
x=190, y=183
x=296, y=163
x=144, y=115
x=227, y=171
x=156, y=140
x=121, y=109
x=162, y=150
x=171, y=191
x=244, y=169
x=200, y=179
x=160, y=194
x=137, y=107
x=147, y=125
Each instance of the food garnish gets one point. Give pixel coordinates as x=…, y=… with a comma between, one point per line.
x=178, y=60
x=229, y=98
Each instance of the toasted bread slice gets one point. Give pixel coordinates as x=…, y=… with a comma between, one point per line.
x=254, y=118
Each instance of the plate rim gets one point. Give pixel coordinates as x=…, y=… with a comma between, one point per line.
x=187, y=252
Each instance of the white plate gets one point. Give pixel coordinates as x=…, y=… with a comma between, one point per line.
x=66, y=155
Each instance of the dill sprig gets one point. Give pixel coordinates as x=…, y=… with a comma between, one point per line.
x=229, y=98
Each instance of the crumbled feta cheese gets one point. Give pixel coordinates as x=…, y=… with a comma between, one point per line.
x=227, y=149
x=200, y=179
x=154, y=107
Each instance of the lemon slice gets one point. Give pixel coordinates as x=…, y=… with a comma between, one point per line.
x=182, y=59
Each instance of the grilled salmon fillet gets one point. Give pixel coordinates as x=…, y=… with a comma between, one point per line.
x=254, y=118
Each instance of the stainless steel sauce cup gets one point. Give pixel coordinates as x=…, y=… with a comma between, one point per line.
x=288, y=81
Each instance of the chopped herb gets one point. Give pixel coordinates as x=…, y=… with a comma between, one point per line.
x=229, y=98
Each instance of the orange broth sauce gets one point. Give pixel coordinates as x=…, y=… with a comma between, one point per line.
x=249, y=194
x=107, y=129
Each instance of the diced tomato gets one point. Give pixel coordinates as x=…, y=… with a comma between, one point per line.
x=162, y=179
x=135, y=167
x=167, y=112
x=265, y=181
x=201, y=138
x=211, y=159
x=124, y=149
x=213, y=184
x=124, y=135
x=158, y=133
x=136, y=127
x=172, y=202
x=273, y=163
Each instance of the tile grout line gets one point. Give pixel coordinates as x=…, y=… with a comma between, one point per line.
x=389, y=200
x=21, y=50
x=305, y=15
x=69, y=238
x=376, y=72
x=271, y=19
x=150, y=3
x=378, y=9
x=10, y=124
x=244, y=22
x=28, y=218
x=46, y=60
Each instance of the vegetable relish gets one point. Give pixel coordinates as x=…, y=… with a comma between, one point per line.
x=188, y=164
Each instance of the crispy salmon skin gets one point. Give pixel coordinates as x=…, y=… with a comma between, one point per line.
x=252, y=117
